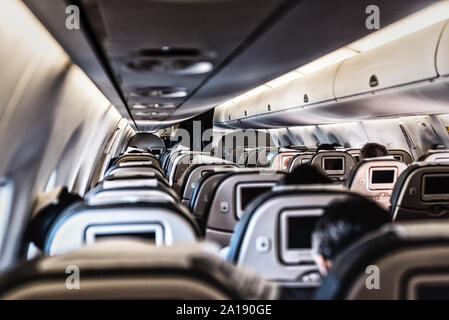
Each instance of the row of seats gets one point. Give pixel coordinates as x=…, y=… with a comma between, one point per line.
x=267, y=226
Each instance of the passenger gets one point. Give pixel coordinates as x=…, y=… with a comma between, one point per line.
x=326, y=147
x=373, y=150
x=343, y=223
x=305, y=174
x=48, y=207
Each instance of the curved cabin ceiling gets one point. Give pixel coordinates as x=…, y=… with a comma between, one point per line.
x=163, y=61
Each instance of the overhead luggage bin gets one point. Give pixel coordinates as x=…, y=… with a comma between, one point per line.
x=407, y=60
x=312, y=88
x=443, y=53
x=272, y=99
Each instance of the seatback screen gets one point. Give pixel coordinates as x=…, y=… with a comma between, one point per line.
x=300, y=231
x=248, y=194
x=147, y=236
x=435, y=185
x=382, y=176
x=333, y=164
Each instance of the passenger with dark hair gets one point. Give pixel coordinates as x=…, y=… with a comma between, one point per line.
x=48, y=206
x=373, y=150
x=343, y=223
x=305, y=174
x=326, y=147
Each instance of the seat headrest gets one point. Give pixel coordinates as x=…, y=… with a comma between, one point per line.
x=80, y=222
x=404, y=254
x=136, y=270
x=422, y=192
x=336, y=164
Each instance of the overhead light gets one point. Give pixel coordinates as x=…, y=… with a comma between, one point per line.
x=284, y=79
x=424, y=18
x=327, y=60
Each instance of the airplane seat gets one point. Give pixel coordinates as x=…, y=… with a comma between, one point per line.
x=164, y=157
x=355, y=153
x=193, y=175
x=422, y=192
x=282, y=160
x=201, y=194
x=401, y=155
x=227, y=201
x=135, y=150
x=302, y=158
x=273, y=238
x=128, y=269
x=181, y=172
x=132, y=188
x=148, y=158
x=134, y=168
x=435, y=156
x=161, y=221
x=337, y=165
x=375, y=178
x=400, y=261
x=181, y=162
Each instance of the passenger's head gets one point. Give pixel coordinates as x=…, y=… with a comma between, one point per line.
x=373, y=150
x=305, y=174
x=325, y=146
x=343, y=223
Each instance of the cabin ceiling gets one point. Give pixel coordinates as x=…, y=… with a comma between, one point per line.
x=179, y=58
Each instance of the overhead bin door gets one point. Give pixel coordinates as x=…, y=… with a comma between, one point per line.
x=443, y=53
x=313, y=88
x=270, y=100
x=247, y=108
x=406, y=60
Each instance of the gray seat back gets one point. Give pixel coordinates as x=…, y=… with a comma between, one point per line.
x=165, y=222
x=303, y=157
x=194, y=174
x=435, y=156
x=282, y=159
x=182, y=169
x=230, y=197
x=120, y=270
x=401, y=155
x=131, y=157
x=273, y=238
x=401, y=261
x=375, y=178
x=337, y=165
x=355, y=153
x=422, y=192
